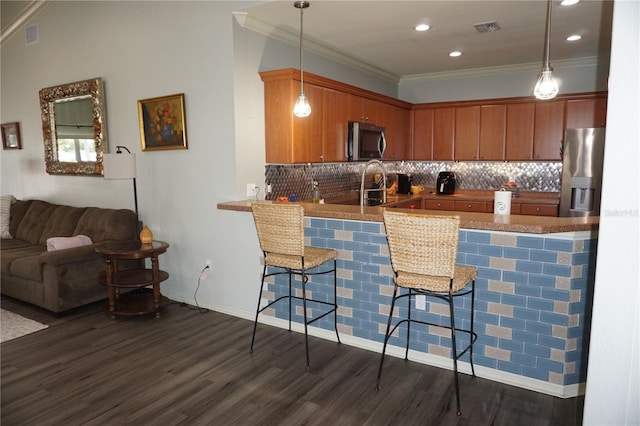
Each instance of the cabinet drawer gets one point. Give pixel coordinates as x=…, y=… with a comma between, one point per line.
x=470, y=206
x=539, y=209
x=438, y=204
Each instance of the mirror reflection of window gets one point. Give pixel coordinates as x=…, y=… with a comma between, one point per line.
x=74, y=130
x=76, y=150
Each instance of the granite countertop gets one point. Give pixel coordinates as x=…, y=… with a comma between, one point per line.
x=469, y=220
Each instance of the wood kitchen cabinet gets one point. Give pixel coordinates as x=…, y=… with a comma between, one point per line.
x=548, y=130
x=422, y=134
x=520, y=126
x=396, y=122
x=291, y=139
x=470, y=206
x=335, y=117
x=438, y=205
x=467, y=133
x=586, y=113
x=539, y=209
x=443, y=133
x=493, y=126
x=511, y=129
x=365, y=110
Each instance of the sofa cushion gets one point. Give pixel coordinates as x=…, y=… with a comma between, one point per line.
x=61, y=223
x=34, y=221
x=5, y=215
x=28, y=267
x=9, y=257
x=18, y=210
x=107, y=224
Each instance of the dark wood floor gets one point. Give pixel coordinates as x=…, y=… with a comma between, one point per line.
x=195, y=369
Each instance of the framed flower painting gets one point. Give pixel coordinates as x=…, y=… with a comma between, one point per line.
x=163, y=123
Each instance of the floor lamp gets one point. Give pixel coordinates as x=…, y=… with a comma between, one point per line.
x=121, y=166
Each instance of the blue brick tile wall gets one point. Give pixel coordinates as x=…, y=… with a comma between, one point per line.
x=531, y=297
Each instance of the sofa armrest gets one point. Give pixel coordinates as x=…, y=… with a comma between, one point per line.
x=70, y=255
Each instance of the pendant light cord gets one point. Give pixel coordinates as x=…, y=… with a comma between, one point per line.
x=303, y=4
x=547, y=36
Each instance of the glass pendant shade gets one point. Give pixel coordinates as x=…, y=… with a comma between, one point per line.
x=546, y=86
x=302, y=107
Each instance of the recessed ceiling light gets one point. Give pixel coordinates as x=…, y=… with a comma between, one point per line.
x=455, y=54
x=574, y=37
x=569, y=2
x=422, y=27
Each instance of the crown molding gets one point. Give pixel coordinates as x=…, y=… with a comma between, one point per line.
x=27, y=13
x=252, y=23
x=506, y=69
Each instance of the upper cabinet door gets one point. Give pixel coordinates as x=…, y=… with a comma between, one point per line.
x=307, y=131
x=586, y=113
x=423, y=134
x=467, y=133
x=365, y=110
x=519, y=143
x=493, y=128
x=549, y=130
x=396, y=124
x=444, y=120
x=335, y=120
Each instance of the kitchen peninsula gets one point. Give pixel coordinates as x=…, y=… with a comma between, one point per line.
x=533, y=301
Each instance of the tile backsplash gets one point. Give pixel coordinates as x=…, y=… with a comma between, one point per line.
x=340, y=179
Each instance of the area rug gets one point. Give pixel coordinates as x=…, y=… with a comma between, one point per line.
x=13, y=326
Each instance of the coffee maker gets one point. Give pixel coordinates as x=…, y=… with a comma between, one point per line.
x=446, y=183
x=404, y=183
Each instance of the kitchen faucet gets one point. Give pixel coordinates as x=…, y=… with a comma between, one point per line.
x=384, y=182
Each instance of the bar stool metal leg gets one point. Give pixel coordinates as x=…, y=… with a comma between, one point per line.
x=454, y=352
x=335, y=299
x=386, y=335
x=255, y=323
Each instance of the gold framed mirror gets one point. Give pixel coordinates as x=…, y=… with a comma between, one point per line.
x=74, y=128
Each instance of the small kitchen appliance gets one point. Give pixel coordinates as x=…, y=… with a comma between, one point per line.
x=446, y=183
x=365, y=141
x=404, y=183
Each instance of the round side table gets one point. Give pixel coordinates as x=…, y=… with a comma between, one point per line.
x=115, y=279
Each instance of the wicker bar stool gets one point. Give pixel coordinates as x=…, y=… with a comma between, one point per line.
x=280, y=229
x=423, y=252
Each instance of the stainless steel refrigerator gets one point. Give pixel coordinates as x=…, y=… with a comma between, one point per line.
x=581, y=181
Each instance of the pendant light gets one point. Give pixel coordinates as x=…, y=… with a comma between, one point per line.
x=302, y=107
x=546, y=86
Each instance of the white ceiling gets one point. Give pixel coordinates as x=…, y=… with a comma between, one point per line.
x=379, y=34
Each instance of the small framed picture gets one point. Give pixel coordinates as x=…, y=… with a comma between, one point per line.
x=11, y=136
x=163, y=123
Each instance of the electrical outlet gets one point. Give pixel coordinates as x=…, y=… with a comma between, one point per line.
x=421, y=302
x=251, y=189
x=268, y=188
x=209, y=262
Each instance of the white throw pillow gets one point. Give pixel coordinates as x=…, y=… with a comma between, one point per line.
x=5, y=215
x=61, y=243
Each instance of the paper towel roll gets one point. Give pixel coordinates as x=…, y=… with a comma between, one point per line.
x=502, y=202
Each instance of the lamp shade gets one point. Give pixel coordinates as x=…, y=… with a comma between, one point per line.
x=119, y=166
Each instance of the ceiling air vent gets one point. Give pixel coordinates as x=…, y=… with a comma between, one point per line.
x=487, y=27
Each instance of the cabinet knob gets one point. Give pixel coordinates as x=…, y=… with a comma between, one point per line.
x=469, y=206
x=439, y=205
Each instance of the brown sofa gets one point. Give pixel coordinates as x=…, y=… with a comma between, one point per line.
x=62, y=279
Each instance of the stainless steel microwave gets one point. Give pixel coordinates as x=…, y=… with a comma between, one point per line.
x=365, y=141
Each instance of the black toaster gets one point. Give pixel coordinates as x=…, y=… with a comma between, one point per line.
x=446, y=183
